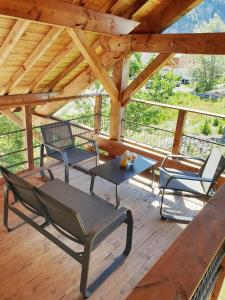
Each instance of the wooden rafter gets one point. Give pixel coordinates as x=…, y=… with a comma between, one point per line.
x=53, y=33
x=93, y=60
x=55, y=12
x=191, y=43
x=164, y=15
x=12, y=38
x=149, y=71
x=12, y=101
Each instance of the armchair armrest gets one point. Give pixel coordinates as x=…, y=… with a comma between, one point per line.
x=181, y=157
x=91, y=141
x=63, y=153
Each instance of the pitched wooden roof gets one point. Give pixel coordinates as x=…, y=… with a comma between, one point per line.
x=40, y=55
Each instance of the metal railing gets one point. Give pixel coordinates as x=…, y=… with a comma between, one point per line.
x=148, y=135
x=193, y=146
x=13, y=151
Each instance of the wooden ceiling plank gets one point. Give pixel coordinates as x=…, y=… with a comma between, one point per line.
x=185, y=43
x=94, y=61
x=55, y=12
x=12, y=38
x=144, y=76
x=69, y=68
x=53, y=64
x=53, y=33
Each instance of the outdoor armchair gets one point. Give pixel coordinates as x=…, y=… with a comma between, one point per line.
x=84, y=219
x=59, y=143
x=202, y=183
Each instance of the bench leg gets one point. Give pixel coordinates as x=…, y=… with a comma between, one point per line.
x=129, y=234
x=6, y=208
x=85, y=270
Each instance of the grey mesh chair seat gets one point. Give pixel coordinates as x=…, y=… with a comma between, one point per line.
x=180, y=184
x=200, y=184
x=74, y=155
x=59, y=143
x=84, y=219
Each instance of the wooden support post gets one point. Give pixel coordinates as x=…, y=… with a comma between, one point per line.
x=27, y=117
x=98, y=113
x=179, y=130
x=120, y=77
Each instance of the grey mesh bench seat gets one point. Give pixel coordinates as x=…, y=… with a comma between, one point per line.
x=84, y=219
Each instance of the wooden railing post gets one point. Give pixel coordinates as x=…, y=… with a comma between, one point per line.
x=120, y=77
x=29, y=136
x=98, y=113
x=178, y=132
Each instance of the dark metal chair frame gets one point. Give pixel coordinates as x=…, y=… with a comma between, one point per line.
x=63, y=150
x=89, y=240
x=185, y=175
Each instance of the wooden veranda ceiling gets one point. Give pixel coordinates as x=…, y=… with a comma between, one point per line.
x=42, y=52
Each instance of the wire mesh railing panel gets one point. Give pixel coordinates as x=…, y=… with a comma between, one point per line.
x=193, y=146
x=149, y=135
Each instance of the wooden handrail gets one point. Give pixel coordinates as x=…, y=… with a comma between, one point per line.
x=179, y=271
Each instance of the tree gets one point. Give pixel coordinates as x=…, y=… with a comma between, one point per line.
x=209, y=68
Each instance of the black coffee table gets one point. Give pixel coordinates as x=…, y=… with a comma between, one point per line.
x=113, y=172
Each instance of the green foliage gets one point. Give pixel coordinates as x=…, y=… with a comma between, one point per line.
x=209, y=68
x=10, y=143
x=216, y=122
x=161, y=86
x=221, y=128
x=136, y=65
x=206, y=128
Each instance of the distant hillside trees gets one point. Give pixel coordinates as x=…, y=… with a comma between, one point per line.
x=209, y=69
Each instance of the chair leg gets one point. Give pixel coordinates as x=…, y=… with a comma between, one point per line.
x=183, y=220
x=6, y=208
x=66, y=173
x=129, y=234
x=85, y=270
x=42, y=160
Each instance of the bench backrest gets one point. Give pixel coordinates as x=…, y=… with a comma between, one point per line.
x=39, y=202
x=23, y=191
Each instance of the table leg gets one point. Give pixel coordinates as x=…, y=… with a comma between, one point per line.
x=92, y=185
x=153, y=174
x=117, y=198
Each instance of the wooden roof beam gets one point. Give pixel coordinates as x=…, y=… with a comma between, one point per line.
x=55, y=12
x=185, y=43
x=144, y=76
x=12, y=38
x=12, y=101
x=52, y=35
x=95, y=63
x=165, y=14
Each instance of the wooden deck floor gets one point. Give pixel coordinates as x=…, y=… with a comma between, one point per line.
x=32, y=267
